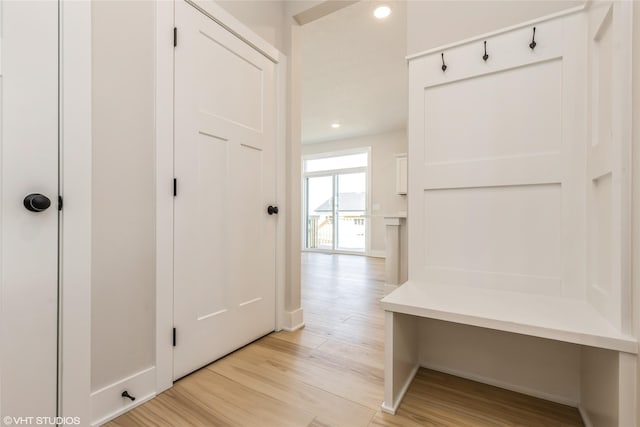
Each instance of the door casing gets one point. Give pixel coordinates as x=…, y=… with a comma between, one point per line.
x=75, y=228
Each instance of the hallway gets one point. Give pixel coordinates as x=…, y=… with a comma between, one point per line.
x=330, y=373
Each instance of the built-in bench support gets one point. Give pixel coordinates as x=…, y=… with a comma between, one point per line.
x=554, y=348
x=396, y=250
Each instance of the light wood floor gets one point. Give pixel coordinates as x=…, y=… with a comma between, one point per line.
x=331, y=372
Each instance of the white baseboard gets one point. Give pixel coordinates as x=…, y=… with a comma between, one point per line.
x=293, y=320
x=585, y=416
x=108, y=403
x=393, y=408
x=508, y=386
x=377, y=254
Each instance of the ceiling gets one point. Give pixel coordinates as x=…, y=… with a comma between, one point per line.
x=354, y=73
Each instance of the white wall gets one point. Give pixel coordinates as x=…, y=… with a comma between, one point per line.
x=540, y=367
x=383, y=176
x=123, y=288
x=435, y=23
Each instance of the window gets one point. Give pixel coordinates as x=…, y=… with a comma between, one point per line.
x=335, y=202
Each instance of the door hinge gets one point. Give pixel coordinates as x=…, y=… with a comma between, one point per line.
x=174, y=337
x=59, y=203
x=175, y=36
x=175, y=187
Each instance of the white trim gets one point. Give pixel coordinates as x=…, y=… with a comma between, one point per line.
x=497, y=32
x=75, y=188
x=164, y=193
x=367, y=234
x=336, y=252
x=622, y=85
x=377, y=254
x=392, y=409
x=107, y=403
x=330, y=172
x=502, y=384
x=281, y=193
x=164, y=101
x=293, y=320
x=585, y=416
x=237, y=28
x=336, y=153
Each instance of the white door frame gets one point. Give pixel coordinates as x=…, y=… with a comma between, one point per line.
x=164, y=171
x=75, y=225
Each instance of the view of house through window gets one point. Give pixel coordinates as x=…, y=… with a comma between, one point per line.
x=335, y=202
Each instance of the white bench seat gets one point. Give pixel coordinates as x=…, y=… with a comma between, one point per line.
x=561, y=319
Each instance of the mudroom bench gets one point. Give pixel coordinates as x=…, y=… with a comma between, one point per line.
x=549, y=347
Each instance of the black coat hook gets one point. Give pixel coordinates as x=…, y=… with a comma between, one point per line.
x=485, y=56
x=444, y=66
x=533, y=43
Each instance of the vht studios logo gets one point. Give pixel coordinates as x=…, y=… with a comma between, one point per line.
x=41, y=421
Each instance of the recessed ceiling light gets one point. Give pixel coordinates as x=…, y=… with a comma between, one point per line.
x=382, y=12
x=335, y=125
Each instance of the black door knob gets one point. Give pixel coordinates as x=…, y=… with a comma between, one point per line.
x=272, y=210
x=36, y=202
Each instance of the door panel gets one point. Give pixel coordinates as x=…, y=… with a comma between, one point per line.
x=224, y=283
x=28, y=359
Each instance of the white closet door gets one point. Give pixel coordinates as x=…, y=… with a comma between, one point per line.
x=29, y=254
x=225, y=112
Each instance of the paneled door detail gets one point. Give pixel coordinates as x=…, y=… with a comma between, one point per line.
x=224, y=243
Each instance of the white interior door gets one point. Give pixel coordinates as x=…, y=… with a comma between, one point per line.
x=224, y=243
x=29, y=299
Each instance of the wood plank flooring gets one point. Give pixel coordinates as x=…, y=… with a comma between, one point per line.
x=331, y=372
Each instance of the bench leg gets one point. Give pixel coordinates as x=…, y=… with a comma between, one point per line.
x=400, y=357
x=627, y=389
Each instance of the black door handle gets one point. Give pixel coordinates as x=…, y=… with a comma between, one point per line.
x=272, y=210
x=36, y=202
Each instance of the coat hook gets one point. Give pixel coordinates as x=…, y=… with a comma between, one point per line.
x=485, y=56
x=533, y=43
x=444, y=66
